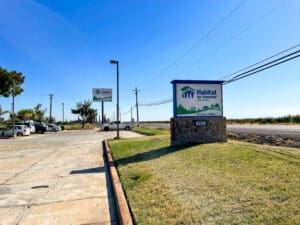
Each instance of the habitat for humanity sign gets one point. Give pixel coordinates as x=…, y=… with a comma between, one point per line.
x=102, y=94
x=197, y=98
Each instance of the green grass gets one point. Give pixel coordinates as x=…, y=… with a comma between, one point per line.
x=147, y=131
x=219, y=183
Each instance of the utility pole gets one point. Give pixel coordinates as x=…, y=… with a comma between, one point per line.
x=102, y=112
x=63, y=112
x=50, y=116
x=13, y=109
x=136, y=91
x=131, y=114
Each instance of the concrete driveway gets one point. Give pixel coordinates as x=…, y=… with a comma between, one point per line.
x=56, y=178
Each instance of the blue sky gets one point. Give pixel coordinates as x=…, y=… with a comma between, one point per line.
x=64, y=47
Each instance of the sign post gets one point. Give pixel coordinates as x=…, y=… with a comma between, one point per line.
x=102, y=95
x=197, y=112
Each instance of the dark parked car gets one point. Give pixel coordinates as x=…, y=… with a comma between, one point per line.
x=40, y=128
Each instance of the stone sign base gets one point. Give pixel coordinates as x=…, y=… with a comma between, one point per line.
x=197, y=130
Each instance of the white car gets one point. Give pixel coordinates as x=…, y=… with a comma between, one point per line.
x=20, y=130
x=28, y=124
x=53, y=127
x=113, y=126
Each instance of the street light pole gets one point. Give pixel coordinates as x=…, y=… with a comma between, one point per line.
x=118, y=121
x=63, y=112
x=13, y=109
x=50, y=116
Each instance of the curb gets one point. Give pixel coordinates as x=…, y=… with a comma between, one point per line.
x=124, y=214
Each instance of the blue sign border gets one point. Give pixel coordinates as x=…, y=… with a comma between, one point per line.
x=174, y=82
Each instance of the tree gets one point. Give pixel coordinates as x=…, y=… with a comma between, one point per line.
x=4, y=87
x=2, y=113
x=85, y=111
x=92, y=116
x=10, y=83
x=39, y=113
x=25, y=114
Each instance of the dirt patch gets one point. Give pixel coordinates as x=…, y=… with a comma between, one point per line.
x=276, y=140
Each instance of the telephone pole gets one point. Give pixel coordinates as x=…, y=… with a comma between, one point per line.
x=13, y=109
x=136, y=91
x=63, y=112
x=102, y=112
x=50, y=116
x=131, y=114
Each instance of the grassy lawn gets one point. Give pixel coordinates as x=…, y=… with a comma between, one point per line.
x=150, y=132
x=220, y=183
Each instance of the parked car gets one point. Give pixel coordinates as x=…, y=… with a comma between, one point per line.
x=28, y=124
x=113, y=126
x=40, y=128
x=20, y=130
x=53, y=128
x=58, y=127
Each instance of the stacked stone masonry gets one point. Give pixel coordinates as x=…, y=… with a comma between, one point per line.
x=198, y=130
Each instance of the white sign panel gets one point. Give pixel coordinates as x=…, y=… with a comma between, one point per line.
x=198, y=99
x=102, y=94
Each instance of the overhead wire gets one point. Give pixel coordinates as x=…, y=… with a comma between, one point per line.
x=265, y=66
x=203, y=37
x=260, y=18
x=155, y=103
x=261, y=61
x=249, y=72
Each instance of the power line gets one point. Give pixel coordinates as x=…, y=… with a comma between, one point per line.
x=159, y=102
x=265, y=66
x=123, y=114
x=203, y=37
x=261, y=61
x=249, y=72
x=269, y=12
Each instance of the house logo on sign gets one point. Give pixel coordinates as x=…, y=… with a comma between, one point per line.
x=188, y=92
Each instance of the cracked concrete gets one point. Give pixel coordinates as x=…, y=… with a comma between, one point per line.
x=56, y=178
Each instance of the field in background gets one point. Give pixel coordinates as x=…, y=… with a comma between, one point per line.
x=268, y=120
x=78, y=126
x=220, y=183
x=290, y=119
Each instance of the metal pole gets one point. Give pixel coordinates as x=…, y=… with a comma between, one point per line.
x=131, y=114
x=50, y=116
x=137, y=106
x=102, y=112
x=13, y=109
x=63, y=112
x=118, y=121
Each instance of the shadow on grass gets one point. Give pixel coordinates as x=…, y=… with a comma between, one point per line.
x=153, y=154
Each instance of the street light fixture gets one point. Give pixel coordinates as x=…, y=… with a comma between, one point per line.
x=118, y=121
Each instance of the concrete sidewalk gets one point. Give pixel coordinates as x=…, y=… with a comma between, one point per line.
x=55, y=179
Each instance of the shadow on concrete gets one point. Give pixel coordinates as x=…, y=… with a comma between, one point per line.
x=89, y=170
x=153, y=154
x=111, y=198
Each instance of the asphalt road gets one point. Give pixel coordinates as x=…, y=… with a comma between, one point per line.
x=56, y=178
x=284, y=130
x=280, y=130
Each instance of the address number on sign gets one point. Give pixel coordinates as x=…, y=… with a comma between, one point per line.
x=202, y=123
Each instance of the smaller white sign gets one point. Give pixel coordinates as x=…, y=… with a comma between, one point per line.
x=102, y=94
